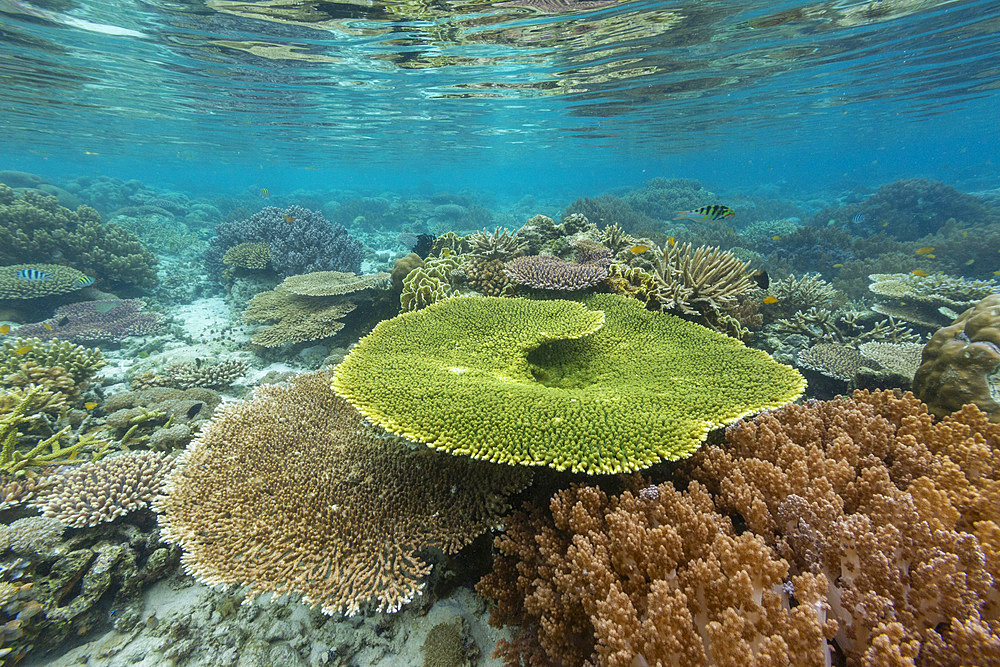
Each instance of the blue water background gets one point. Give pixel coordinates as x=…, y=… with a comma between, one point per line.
x=803, y=98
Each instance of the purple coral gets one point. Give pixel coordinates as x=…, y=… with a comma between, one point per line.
x=96, y=321
x=302, y=241
x=551, y=273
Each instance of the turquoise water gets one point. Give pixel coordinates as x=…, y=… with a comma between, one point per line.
x=544, y=96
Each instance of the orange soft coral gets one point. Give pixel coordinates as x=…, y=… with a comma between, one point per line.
x=649, y=577
x=896, y=510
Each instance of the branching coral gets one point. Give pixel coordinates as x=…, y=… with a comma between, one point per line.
x=893, y=508
x=700, y=281
x=548, y=272
x=499, y=244
x=248, y=256
x=795, y=294
x=609, y=387
x=59, y=365
x=294, y=492
x=897, y=358
x=190, y=374
x=837, y=361
x=650, y=577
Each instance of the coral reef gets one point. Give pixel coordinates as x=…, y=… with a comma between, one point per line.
x=501, y=245
x=332, y=283
x=960, y=363
x=300, y=241
x=191, y=374
x=651, y=577
x=608, y=387
x=930, y=301
x=101, y=491
x=57, y=365
x=297, y=319
x=110, y=321
x=294, y=492
x=891, y=506
x=34, y=227
x=548, y=272
x=60, y=280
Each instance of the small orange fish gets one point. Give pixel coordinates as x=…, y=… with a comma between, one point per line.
x=289, y=218
x=770, y=299
x=775, y=238
x=639, y=249
x=5, y=329
x=671, y=241
x=24, y=349
x=838, y=266
x=47, y=326
x=90, y=406
x=920, y=272
x=925, y=250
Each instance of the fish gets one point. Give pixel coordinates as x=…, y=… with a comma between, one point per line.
x=106, y=306
x=838, y=266
x=24, y=349
x=193, y=410
x=90, y=153
x=671, y=241
x=85, y=281
x=859, y=219
x=710, y=213
x=926, y=249
x=90, y=406
x=775, y=238
x=996, y=273
x=46, y=326
x=5, y=329
x=265, y=193
x=902, y=303
x=920, y=273
x=931, y=256
x=770, y=299
x=63, y=321
x=639, y=249
x=33, y=274
x=885, y=223
x=761, y=279
x=970, y=262
x=289, y=218
x=965, y=235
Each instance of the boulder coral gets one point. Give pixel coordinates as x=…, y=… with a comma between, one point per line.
x=603, y=387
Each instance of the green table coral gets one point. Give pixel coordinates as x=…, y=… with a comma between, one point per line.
x=600, y=387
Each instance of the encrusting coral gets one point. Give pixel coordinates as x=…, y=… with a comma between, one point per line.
x=960, y=363
x=294, y=492
x=101, y=491
x=609, y=387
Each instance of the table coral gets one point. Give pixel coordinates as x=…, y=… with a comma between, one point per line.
x=960, y=363
x=650, y=577
x=293, y=492
x=297, y=318
x=609, y=387
x=61, y=280
x=895, y=509
x=332, y=283
x=927, y=301
x=109, y=321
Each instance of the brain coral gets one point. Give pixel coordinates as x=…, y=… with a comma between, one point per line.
x=605, y=388
x=294, y=492
x=961, y=363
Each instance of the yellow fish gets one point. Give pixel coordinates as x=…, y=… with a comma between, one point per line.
x=5, y=329
x=24, y=349
x=671, y=241
x=996, y=273
x=925, y=250
x=932, y=256
x=90, y=406
x=90, y=153
x=47, y=326
x=265, y=193
x=965, y=235
x=289, y=218
x=970, y=262
x=885, y=224
x=770, y=299
x=639, y=249
x=775, y=238
x=920, y=272
x=838, y=266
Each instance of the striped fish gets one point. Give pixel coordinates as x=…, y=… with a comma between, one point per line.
x=859, y=219
x=706, y=213
x=33, y=274
x=85, y=281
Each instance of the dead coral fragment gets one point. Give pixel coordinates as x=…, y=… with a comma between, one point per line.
x=293, y=492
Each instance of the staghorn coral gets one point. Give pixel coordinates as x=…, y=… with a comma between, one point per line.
x=609, y=387
x=294, y=492
x=101, y=491
x=822, y=325
x=960, y=363
x=501, y=245
x=300, y=240
x=548, y=272
x=891, y=506
x=701, y=281
x=34, y=227
x=801, y=294
x=190, y=374
x=616, y=239
x=297, y=319
x=332, y=283
x=928, y=302
x=109, y=321
x=248, y=256
x=650, y=577
x=61, y=280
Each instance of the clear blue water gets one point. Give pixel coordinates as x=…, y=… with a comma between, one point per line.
x=548, y=96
